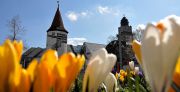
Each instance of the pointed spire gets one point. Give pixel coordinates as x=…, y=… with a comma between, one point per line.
x=124, y=21
x=57, y=23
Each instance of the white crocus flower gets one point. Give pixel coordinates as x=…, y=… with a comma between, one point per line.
x=100, y=65
x=111, y=83
x=160, y=50
x=136, y=70
x=131, y=65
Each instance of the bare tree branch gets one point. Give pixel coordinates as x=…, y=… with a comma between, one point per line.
x=15, y=27
x=111, y=38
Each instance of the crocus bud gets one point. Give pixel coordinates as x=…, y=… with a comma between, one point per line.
x=136, y=70
x=131, y=65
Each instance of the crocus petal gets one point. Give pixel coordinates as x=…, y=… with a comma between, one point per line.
x=170, y=44
x=136, y=70
x=42, y=78
x=31, y=69
x=152, y=57
x=137, y=49
x=123, y=73
x=111, y=82
x=66, y=70
x=160, y=50
x=51, y=57
x=121, y=78
x=19, y=48
x=9, y=67
x=90, y=81
x=117, y=75
x=176, y=75
x=24, y=85
x=100, y=64
x=42, y=73
x=80, y=61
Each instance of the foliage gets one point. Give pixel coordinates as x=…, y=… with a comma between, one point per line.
x=133, y=82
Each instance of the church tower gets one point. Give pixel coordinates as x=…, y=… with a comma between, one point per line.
x=57, y=34
x=125, y=38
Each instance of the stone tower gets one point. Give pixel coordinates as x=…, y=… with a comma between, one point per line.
x=125, y=38
x=57, y=34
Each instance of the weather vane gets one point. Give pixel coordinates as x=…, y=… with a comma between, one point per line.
x=58, y=2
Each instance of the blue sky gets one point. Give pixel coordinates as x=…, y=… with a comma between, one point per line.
x=86, y=20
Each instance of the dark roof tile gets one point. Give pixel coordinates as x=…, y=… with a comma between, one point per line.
x=57, y=23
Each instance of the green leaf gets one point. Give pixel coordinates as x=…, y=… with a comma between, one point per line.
x=137, y=79
x=141, y=88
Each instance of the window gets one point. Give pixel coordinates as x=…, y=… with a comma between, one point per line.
x=53, y=33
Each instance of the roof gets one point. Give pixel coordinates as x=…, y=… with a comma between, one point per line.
x=28, y=51
x=93, y=46
x=70, y=48
x=34, y=52
x=77, y=48
x=57, y=23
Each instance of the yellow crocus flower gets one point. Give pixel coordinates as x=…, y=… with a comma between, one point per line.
x=132, y=72
x=25, y=83
x=19, y=48
x=31, y=69
x=176, y=77
x=13, y=78
x=121, y=78
x=10, y=53
x=51, y=57
x=123, y=73
x=42, y=78
x=136, y=46
x=117, y=75
x=66, y=70
x=43, y=72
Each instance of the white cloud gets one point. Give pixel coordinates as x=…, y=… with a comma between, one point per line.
x=103, y=9
x=154, y=23
x=117, y=11
x=84, y=13
x=140, y=27
x=100, y=9
x=76, y=41
x=109, y=10
x=72, y=16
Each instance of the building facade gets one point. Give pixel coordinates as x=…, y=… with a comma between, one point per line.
x=56, y=39
x=125, y=38
x=57, y=34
